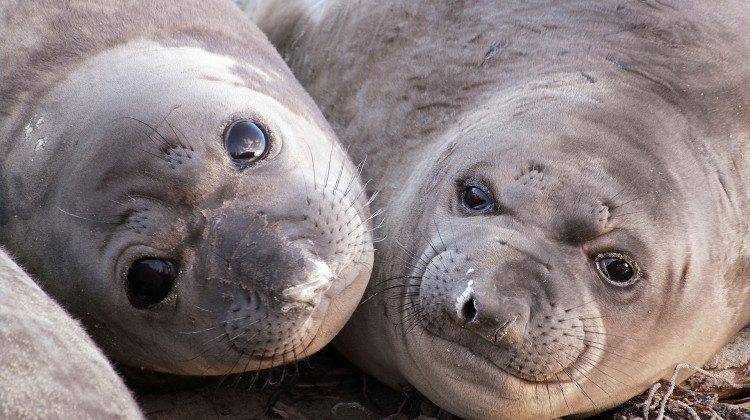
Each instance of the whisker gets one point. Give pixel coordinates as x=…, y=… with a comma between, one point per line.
x=588, y=318
x=589, y=379
x=579, y=306
x=558, y=381
x=411, y=254
x=357, y=176
x=312, y=162
x=328, y=170
x=624, y=337
x=364, y=187
x=600, y=347
x=638, y=197
x=105, y=222
x=595, y=364
x=341, y=172
x=372, y=198
x=181, y=137
x=572, y=379
x=153, y=131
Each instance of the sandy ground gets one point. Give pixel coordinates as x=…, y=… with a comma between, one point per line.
x=327, y=387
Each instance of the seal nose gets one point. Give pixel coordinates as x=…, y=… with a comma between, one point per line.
x=500, y=320
x=251, y=254
x=466, y=307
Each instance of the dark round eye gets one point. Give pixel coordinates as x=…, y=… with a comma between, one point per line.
x=149, y=281
x=476, y=200
x=617, y=269
x=246, y=142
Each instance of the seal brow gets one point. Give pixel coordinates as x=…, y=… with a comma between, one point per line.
x=86, y=218
x=180, y=136
x=154, y=131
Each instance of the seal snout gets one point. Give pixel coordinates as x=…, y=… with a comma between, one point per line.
x=483, y=301
x=498, y=319
x=466, y=307
x=494, y=307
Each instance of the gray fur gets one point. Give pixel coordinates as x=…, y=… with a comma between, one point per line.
x=49, y=367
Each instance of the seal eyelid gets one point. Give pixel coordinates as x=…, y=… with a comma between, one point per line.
x=246, y=142
x=617, y=269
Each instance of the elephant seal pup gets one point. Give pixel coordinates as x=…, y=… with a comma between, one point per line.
x=566, y=185
x=168, y=181
x=49, y=367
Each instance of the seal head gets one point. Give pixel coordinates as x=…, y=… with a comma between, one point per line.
x=565, y=184
x=179, y=191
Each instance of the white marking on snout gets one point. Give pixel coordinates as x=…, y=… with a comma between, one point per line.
x=35, y=122
x=40, y=144
x=308, y=292
x=469, y=271
x=464, y=296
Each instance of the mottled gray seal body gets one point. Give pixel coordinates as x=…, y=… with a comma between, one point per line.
x=49, y=367
x=166, y=179
x=565, y=186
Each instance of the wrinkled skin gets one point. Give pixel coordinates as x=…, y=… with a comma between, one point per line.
x=565, y=183
x=116, y=144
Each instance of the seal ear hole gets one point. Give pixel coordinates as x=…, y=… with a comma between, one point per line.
x=246, y=142
x=149, y=281
x=617, y=269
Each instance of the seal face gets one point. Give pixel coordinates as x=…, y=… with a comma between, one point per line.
x=567, y=211
x=169, y=182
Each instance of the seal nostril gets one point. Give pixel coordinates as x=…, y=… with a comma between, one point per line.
x=469, y=310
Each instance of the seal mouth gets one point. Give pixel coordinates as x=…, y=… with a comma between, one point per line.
x=560, y=370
